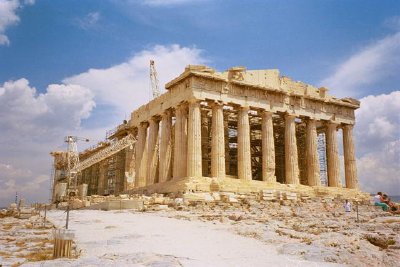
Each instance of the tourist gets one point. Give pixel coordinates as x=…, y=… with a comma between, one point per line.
x=347, y=206
x=385, y=199
x=378, y=199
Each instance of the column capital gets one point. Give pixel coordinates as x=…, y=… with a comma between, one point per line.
x=348, y=126
x=144, y=124
x=155, y=119
x=181, y=106
x=166, y=113
x=244, y=108
x=266, y=112
x=311, y=119
x=193, y=101
x=215, y=103
x=332, y=124
x=290, y=116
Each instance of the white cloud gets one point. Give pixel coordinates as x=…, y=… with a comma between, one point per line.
x=14, y=180
x=393, y=23
x=9, y=17
x=34, y=124
x=27, y=113
x=31, y=125
x=126, y=86
x=374, y=63
x=89, y=21
x=377, y=135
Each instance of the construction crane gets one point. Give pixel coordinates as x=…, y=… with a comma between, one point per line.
x=114, y=147
x=72, y=162
x=154, y=80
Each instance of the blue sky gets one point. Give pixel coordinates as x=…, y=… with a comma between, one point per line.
x=53, y=52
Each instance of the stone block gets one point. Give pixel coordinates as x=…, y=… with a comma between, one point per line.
x=178, y=201
x=136, y=204
x=208, y=198
x=193, y=197
x=76, y=204
x=216, y=196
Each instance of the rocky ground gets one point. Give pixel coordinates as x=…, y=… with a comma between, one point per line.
x=316, y=230
x=319, y=231
x=24, y=240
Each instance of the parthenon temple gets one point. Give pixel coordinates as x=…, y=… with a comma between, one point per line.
x=237, y=131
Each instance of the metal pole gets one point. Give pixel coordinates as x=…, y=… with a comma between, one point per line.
x=66, y=223
x=45, y=212
x=357, y=209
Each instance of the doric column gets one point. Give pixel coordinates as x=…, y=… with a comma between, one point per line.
x=152, y=162
x=194, y=160
x=312, y=159
x=332, y=155
x=165, y=147
x=141, y=155
x=205, y=143
x=184, y=141
x=291, y=156
x=227, y=149
x=350, y=167
x=217, y=141
x=180, y=145
x=177, y=143
x=243, y=139
x=268, y=147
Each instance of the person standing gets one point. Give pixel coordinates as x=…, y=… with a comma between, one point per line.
x=347, y=206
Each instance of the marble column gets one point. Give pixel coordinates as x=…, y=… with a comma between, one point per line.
x=227, y=149
x=194, y=159
x=268, y=147
x=217, y=141
x=141, y=155
x=177, y=143
x=291, y=156
x=205, y=143
x=350, y=167
x=332, y=155
x=184, y=141
x=243, y=139
x=152, y=162
x=312, y=159
x=165, y=147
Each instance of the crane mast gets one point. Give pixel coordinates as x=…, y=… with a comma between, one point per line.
x=154, y=80
x=72, y=162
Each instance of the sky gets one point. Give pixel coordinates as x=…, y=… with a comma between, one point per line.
x=79, y=67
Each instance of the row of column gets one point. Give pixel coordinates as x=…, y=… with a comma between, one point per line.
x=187, y=148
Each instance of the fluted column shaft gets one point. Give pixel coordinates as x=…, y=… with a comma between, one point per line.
x=227, y=149
x=217, y=142
x=291, y=156
x=268, y=148
x=243, y=139
x=152, y=162
x=177, y=143
x=184, y=141
x=194, y=159
x=312, y=159
x=165, y=147
x=350, y=167
x=180, y=143
x=332, y=155
x=141, y=155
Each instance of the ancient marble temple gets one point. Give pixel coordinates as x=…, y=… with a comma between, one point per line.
x=241, y=131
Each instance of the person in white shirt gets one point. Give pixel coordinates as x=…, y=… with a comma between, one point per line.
x=347, y=206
